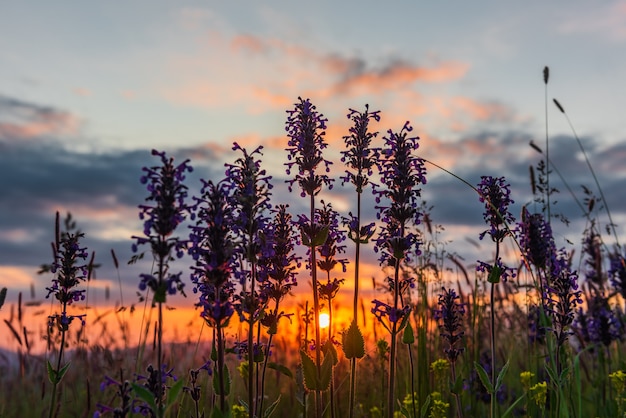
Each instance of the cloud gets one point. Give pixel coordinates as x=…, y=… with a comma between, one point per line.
x=264, y=73
x=21, y=120
x=605, y=19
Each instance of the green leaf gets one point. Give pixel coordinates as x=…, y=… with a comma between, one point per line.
x=62, y=372
x=173, y=393
x=352, y=342
x=160, y=295
x=145, y=395
x=217, y=412
x=494, y=274
x=52, y=374
x=407, y=336
x=270, y=409
x=309, y=371
x=320, y=237
x=3, y=295
x=513, y=405
x=216, y=381
x=424, y=409
x=483, y=377
x=501, y=376
x=326, y=372
x=280, y=368
x=213, y=352
x=329, y=349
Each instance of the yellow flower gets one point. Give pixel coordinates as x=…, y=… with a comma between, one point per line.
x=525, y=378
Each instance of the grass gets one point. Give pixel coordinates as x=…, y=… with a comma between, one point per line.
x=546, y=341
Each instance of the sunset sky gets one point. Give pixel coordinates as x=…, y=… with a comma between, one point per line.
x=87, y=89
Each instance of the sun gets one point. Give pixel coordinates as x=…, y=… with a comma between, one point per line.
x=324, y=320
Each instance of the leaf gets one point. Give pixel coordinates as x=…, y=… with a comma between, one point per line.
x=352, y=342
x=270, y=409
x=225, y=375
x=52, y=374
x=329, y=349
x=494, y=274
x=62, y=372
x=3, y=295
x=309, y=371
x=407, y=336
x=280, y=368
x=173, y=393
x=320, y=237
x=145, y=395
x=513, y=405
x=326, y=372
x=501, y=376
x=483, y=377
x=424, y=409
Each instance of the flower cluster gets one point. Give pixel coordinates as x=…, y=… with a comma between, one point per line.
x=450, y=313
x=305, y=129
x=277, y=272
x=617, y=272
x=495, y=193
x=535, y=239
x=382, y=310
x=169, y=209
x=360, y=156
x=600, y=324
x=332, y=247
x=401, y=174
x=213, y=249
x=562, y=296
x=69, y=272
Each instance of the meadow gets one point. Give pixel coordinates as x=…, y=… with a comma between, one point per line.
x=531, y=329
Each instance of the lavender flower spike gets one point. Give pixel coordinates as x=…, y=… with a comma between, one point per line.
x=305, y=129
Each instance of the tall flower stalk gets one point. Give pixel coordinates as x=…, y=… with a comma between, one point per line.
x=360, y=157
x=213, y=249
x=306, y=129
x=402, y=173
x=69, y=271
x=250, y=195
x=495, y=193
x=165, y=210
x=277, y=276
x=451, y=313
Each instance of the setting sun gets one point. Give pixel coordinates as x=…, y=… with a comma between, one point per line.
x=324, y=320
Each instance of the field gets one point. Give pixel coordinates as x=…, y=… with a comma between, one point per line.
x=530, y=329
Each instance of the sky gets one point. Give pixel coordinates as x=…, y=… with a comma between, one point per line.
x=87, y=89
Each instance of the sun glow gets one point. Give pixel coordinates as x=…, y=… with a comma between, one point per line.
x=324, y=320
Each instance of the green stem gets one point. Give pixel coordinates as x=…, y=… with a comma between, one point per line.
x=58, y=368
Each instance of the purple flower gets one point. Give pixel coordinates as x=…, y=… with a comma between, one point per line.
x=359, y=156
x=382, y=310
x=495, y=194
x=600, y=324
x=450, y=313
x=562, y=296
x=617, y=272
x=503, y=272
x=535, y=239
x=167, y=193
x=277, y=272
x=69, y=271
x=331, y=248
x=401, y=174
x=592, y=251
x=213, y=249
x=305, y=129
